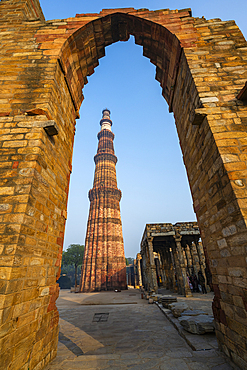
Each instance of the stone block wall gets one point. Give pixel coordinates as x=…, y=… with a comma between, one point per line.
x=34, y=181
x=201, y=66
x=213, y=142
x=34, y=173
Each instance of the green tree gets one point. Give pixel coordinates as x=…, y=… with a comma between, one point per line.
x=130, y=261
x=73, y=256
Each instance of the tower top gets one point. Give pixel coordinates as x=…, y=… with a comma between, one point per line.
x=106, y=122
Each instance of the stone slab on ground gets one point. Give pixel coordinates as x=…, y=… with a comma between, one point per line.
x=193, y=313
x=199, y=324
x=167, y=300
x=198, y=301
x=196, y=342
x=156, y=297
x=134, y=336
x=177, y=308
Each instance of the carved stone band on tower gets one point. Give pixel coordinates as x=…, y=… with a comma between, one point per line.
x=104, y=266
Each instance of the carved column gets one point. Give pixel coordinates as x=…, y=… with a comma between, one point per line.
x=194, y=266
x=203, y=264
x=144, y=266
x=153, y=275
x=201, y=257
x=199, y=254
x=174, y=270
x=166, y=266
x=104, y=266
x=196, y=257
x=148, y=268
x=186, y=262
x=185, y=288
x=139, y=272
x=178, y=280
x=189, y=259
x=162, y=267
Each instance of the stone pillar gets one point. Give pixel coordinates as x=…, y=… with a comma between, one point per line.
x=196, y=257
x=199, y=254
x=166, y=266
x=201, y=258
x=203, y=263
x=173, y=271
x=135, y=273
x=178, y=273
x=186, y=289
x=145, y=268
x=139, y=272
x=153, y=274
x=186, y=262
x=194, y=266
x=189, y=259
x=162, y=269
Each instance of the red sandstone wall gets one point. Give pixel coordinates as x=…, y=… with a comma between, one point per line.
x=104, y=266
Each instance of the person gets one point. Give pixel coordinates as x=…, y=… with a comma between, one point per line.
x=201, y=280
x=195, y=283
x=208, y=277
x=189, y=283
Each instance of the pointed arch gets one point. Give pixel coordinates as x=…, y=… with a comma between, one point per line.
x=201, y=66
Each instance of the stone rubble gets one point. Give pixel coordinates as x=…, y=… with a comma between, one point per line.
x=200, y=324
x=166, y=300
x=193, y=313
x=178, y=308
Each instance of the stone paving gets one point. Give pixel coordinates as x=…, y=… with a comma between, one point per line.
x=121, y=331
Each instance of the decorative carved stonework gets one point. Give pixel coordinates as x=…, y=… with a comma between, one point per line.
x=104, y=261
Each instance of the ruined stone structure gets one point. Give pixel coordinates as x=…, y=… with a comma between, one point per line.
x=202, y=69
x=168, y=254
x=104, y=266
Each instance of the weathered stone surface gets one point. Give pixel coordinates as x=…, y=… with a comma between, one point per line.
x=193, y=313
x=200, y=324
x=171, y=248
x=156, y=297
x=104, y=266
x=119, y=346
x=44, y=66
x=166, y=300
x=178, y=307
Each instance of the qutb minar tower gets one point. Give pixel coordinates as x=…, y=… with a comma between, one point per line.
x=104, y=266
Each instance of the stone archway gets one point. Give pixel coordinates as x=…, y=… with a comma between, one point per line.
x=201, y=66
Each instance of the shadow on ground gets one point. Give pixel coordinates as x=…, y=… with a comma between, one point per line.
x=136, y=335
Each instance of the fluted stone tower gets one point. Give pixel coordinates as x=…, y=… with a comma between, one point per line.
x=104, y=261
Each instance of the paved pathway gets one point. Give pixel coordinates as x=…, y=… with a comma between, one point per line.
x=121, y=331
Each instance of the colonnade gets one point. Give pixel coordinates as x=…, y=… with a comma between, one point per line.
x=169, y=256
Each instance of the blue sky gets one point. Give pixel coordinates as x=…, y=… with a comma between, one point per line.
x=150, y=170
